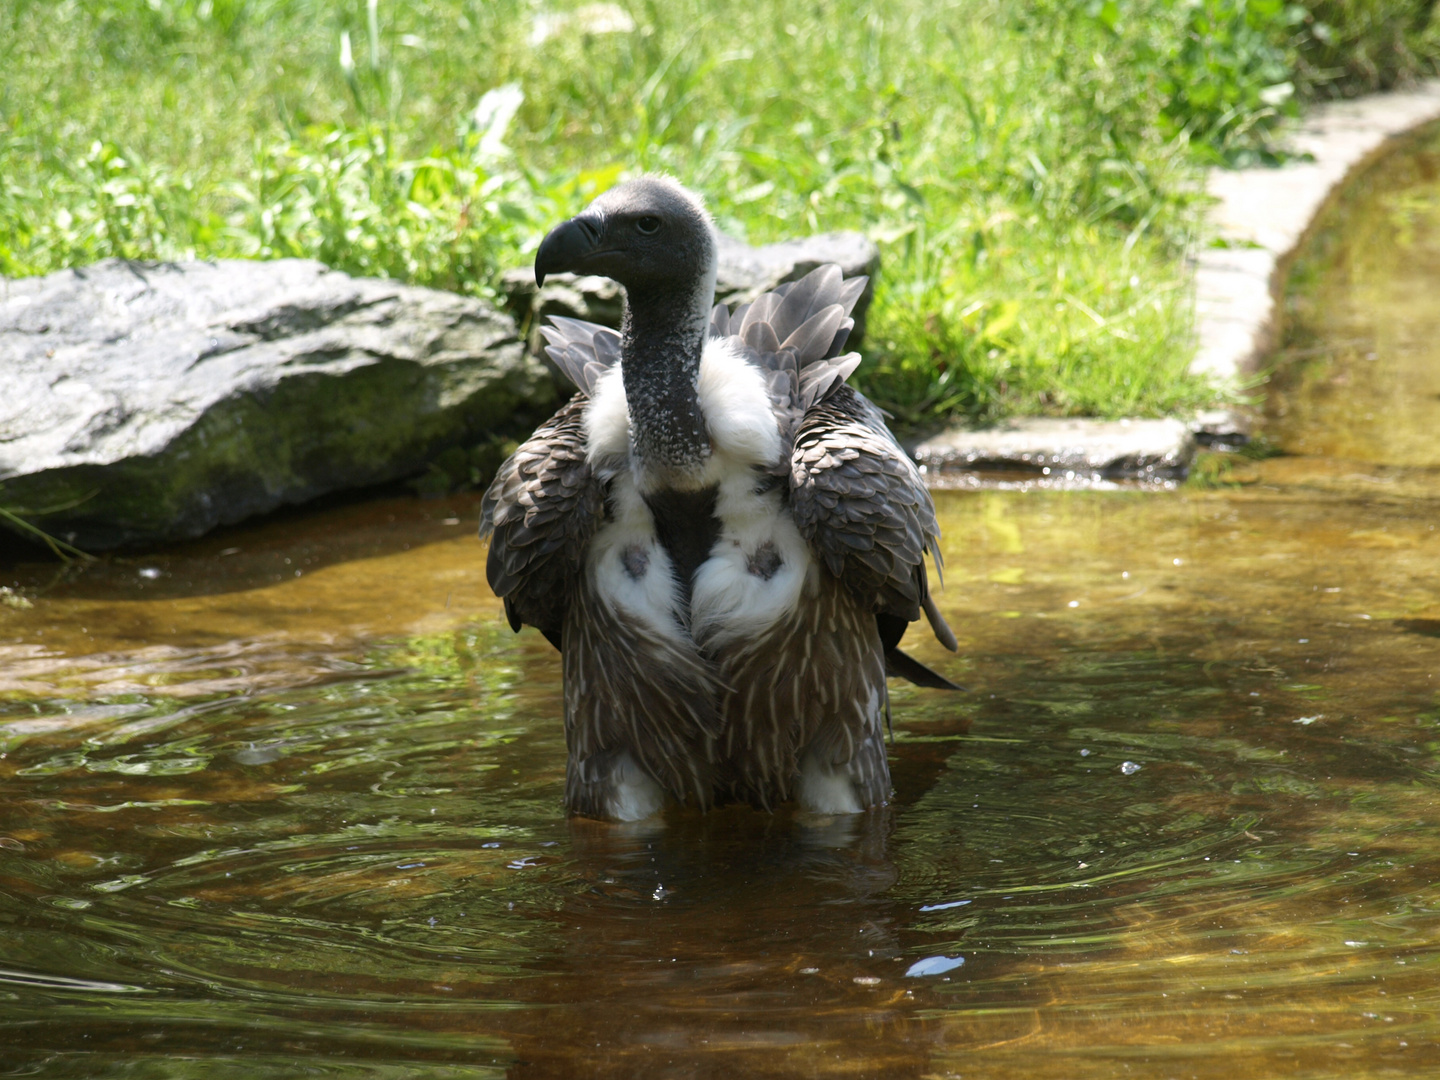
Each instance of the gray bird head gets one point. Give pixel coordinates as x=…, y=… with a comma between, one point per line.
x=649, y=234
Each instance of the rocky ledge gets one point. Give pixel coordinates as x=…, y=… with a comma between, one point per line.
x=151, y=402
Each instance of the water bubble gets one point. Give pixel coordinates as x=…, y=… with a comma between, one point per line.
x=1129, y=767
x=258, y=755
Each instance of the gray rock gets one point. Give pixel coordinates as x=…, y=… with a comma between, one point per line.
x=151, y=402
x=743, y=274
x=1093, y=449
x=594, y=299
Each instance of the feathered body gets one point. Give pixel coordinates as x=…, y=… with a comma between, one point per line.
x=722, y=538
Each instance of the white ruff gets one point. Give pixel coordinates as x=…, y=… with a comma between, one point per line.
x=732, y=596
x=736, y=406
x=607, y=423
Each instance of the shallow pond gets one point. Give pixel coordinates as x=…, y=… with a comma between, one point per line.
x=286, y=801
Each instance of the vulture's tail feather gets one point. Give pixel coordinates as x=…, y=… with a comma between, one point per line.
x=899, y=665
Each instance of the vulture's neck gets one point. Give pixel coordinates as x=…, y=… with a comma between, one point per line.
x=662, y=338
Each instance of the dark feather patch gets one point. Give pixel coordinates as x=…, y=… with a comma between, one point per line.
x=631, y=689
x=540, y=512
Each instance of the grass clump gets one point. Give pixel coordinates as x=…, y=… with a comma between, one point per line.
x=1029, y=168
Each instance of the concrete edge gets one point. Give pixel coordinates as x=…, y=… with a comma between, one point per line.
x=1257, y=224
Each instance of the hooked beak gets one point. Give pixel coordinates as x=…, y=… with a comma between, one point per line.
x=568, y=247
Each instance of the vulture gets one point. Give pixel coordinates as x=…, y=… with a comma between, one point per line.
x=722, y=538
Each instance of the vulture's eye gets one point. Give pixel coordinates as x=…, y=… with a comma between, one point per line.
x=649, y=224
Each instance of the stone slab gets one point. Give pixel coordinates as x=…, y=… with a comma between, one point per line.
x=1098, y=449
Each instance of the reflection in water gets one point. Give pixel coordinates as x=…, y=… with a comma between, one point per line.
x=1183, y=825
x=1359, y=378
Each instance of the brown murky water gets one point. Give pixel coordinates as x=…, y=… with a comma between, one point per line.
x=286, y=801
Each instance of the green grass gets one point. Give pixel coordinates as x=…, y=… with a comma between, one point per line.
x=1029, y=167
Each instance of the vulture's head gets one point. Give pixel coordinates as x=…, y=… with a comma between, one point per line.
x=649, y=234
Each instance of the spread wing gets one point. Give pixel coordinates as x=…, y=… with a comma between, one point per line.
x=861, y=503
x=543, y=507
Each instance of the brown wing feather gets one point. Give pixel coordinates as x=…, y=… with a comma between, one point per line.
x=542, y=508
x=863, y=506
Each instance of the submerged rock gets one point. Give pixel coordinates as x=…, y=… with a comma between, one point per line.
x=151, y=402
x=743, y=274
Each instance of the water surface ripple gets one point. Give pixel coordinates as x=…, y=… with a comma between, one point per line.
x=288, y=802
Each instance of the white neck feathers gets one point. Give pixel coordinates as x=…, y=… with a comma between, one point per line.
x=739, y=416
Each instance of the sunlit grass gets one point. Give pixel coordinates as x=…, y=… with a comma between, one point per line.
x=1031, y=194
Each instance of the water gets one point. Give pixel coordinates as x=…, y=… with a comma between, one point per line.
x=286, y=801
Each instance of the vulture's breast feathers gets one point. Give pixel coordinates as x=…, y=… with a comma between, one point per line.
x=753, y=564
